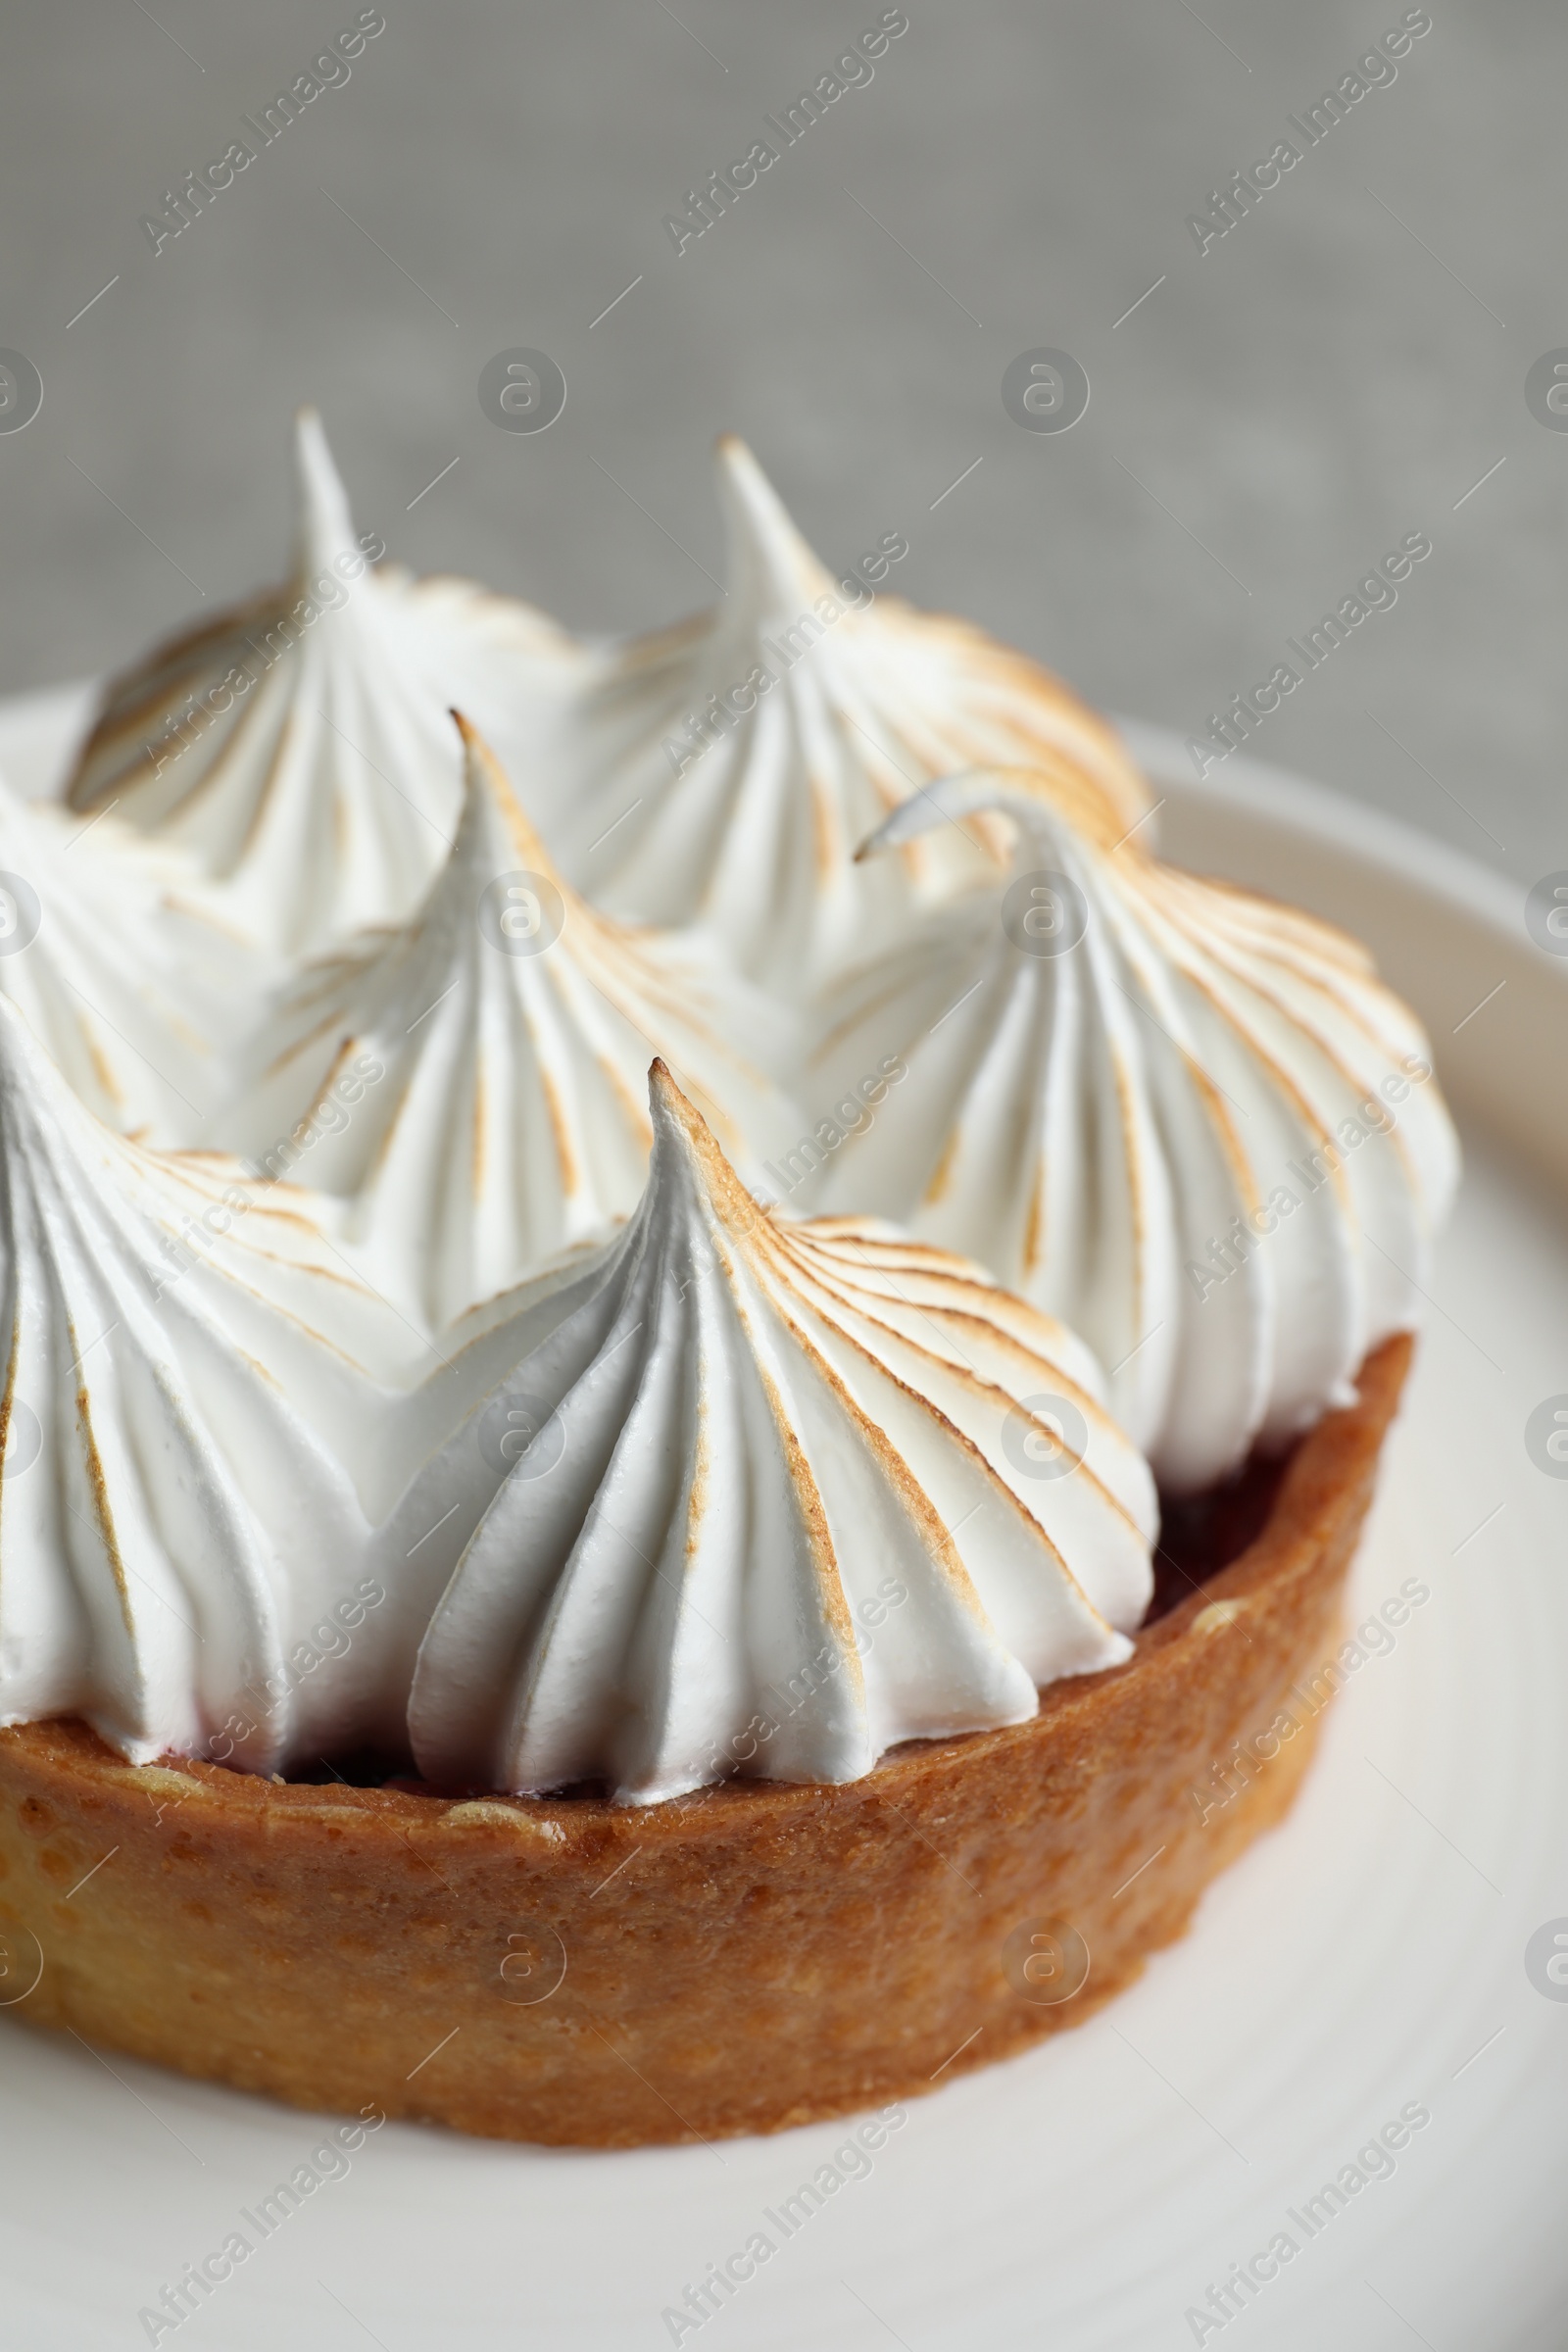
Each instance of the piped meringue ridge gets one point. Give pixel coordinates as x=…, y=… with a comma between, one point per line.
x=298, y=746
x=1191, y=1121
x=755, y=1441
x=511, y=1025
x=720, y=774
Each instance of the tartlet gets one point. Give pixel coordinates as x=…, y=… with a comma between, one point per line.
x=743, y=1959
x=504, y=1617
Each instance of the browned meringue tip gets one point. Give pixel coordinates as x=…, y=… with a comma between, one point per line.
x=481, y=767
x=873, y=844
x=484, y=778
x=664, y=1094
x=728, y=1193
x=482, y=763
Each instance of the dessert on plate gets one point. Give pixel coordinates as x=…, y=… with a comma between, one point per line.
x=692, y=1362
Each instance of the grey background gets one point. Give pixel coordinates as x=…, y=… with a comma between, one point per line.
x=1278, y=414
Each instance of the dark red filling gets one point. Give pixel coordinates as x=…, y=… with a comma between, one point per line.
x=1199, y=1535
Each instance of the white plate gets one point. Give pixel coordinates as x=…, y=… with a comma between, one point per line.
x=1368, y=1955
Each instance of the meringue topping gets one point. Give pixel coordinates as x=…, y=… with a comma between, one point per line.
x=123, y=969
x=298, y=746
x=784, y=1495
x=155, y=1483
x=630, y=1479
x=723, y=772
x=476, y=1081
x=1191, y=1122
x=207, y=1416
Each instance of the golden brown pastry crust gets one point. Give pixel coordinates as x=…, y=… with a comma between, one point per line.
x=747, y=1958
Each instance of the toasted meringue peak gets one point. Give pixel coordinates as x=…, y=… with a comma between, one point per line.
x=298, y=746
x=476, y=1081
x=110, y=949
x=324, y=527
x=771, y=567
x=1191, y=1122
x=721, y=773
x=790, y=1494
x=206, y=1418
x=156, y=1479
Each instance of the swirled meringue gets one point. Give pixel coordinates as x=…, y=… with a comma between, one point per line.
x=1191, y=1122
x=476, y=1082
x=155, y=1480
x=794, y=1493
x=721, y=773
x=111, y=953
x=299, y=746
x=207, y=1417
